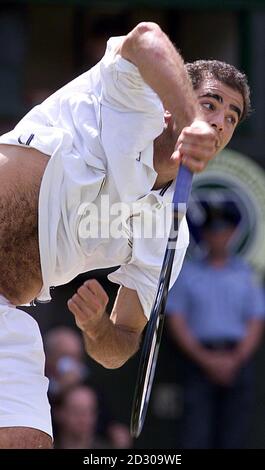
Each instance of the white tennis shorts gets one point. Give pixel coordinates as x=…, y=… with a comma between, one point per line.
x=23, y=385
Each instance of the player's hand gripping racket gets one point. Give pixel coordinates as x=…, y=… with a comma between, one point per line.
x=153, y=333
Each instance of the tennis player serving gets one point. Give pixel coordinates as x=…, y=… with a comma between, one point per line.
x=119, y=131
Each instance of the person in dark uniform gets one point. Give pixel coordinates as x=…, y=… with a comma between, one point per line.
x=216, y=316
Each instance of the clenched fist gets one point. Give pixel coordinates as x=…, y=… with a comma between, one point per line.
x=88, y=306
x=197, y=145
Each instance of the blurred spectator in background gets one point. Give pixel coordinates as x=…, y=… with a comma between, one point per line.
x=76, y=420
x=78, y=423
x=65, y=364
x=216, y=316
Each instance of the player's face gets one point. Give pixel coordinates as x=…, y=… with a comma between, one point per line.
x=221, y=106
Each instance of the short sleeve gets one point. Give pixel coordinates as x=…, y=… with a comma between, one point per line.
x=123, y=88
x=132, y=116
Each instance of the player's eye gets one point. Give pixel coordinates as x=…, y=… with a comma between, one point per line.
x=209, y=106
x=232, y=120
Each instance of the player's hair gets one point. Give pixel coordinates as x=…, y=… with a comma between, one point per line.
x=224, y=73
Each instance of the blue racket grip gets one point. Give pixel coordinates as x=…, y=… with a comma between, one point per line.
x=183, y=186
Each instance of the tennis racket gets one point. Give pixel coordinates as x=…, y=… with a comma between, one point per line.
x=150, y=348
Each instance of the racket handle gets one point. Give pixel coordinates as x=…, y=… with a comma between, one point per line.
x=183, y=186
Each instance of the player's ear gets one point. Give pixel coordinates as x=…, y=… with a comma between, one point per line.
x=167, y=119
x=167, y=116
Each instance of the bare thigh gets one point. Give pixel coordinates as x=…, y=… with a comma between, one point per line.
x=24, y=438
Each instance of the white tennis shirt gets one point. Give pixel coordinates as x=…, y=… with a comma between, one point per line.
x=99, y=131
